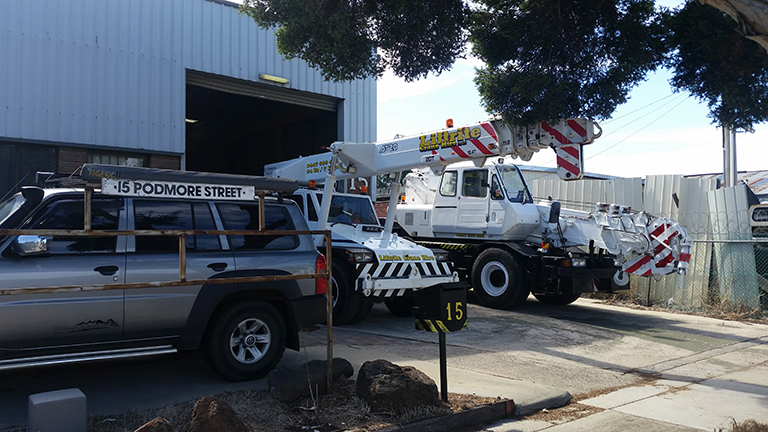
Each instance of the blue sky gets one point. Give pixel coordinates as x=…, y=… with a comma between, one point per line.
x=655, y=132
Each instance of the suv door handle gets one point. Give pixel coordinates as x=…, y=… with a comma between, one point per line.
x=220, y=266
x=107, y=270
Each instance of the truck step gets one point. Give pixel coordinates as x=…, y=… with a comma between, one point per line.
x=85, y=357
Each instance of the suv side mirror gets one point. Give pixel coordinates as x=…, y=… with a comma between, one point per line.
x=26, y=245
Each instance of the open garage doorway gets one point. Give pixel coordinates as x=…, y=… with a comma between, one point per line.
x=235, y=126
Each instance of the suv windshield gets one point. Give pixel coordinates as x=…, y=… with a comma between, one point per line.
x=514, y=184
x=9, y=206
x=352, y=209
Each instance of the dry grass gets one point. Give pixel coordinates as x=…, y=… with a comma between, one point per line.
x=746, y=426
x=339, y=410
x=717, y=309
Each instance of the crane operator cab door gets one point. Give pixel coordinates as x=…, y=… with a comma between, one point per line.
x=497, y=207
x=472, y=214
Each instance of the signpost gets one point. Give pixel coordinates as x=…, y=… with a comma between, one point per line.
x=441, y=309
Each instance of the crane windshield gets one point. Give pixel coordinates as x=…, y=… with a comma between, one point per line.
x=351, y=209
x=514, y=184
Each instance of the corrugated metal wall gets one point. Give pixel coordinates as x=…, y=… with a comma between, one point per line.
x=683, y=200
x=112, y=73
x=706, y=214
x=729, y=209
x=583, y=194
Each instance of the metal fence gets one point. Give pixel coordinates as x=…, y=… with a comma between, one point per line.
x=728, y=269
x=728, y=259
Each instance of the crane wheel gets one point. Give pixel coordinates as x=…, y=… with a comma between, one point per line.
x=496, y=280
x=349, y=306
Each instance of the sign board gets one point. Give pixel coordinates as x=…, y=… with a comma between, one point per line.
x=442, y=308
x=164, y=189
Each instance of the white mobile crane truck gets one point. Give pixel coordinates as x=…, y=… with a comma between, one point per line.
x=468, y=201
x=369, y=264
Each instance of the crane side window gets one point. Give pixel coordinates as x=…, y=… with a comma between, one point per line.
x=496, y=193
x=299, y=200
x=311, y=210
x=448, y=183
x=475, y=183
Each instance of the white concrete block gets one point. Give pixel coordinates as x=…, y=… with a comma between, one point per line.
x=58, y=411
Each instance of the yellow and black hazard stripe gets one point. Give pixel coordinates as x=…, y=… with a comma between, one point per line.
x=449, y=246
x=434, y=326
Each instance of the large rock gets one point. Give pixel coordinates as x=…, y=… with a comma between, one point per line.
x=158, y=424
x=289, y=383
x=212, y=414
x=386, y=386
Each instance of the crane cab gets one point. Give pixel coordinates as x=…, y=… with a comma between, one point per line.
x=489, y=202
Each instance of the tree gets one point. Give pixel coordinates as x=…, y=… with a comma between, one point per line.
x=751, y=16
x=544, y=59
x=349, y=39
x=718, y=65
x=551, y=59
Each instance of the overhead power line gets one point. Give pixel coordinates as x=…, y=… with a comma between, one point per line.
x=639, y=130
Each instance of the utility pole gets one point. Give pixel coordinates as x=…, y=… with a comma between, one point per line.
x=730, y=174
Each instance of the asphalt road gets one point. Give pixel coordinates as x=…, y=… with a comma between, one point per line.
x=579, y=348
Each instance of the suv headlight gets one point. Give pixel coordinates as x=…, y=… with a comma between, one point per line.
x=360, y=255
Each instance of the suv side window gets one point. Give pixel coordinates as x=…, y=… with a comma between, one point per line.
x=246, y=217
x=67, y=214
x=173, y=215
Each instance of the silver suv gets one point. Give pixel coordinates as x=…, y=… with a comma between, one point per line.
x=242, y=328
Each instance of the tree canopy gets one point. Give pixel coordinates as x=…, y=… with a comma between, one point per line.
x=716, y=64
x=357, y=39
x=544, y=59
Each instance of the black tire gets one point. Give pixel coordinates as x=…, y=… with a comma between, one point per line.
x=364, y=308
x=558, y=300
x=245, y=340
x=349, y=306
x=401, y=306
x=496, y=280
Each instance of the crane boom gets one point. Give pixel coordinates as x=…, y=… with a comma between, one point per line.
x=476, y=142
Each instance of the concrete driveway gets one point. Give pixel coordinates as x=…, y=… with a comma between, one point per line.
x=652, y=370
x=659, y=370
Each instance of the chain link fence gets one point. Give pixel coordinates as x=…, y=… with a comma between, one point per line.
x=728, y=271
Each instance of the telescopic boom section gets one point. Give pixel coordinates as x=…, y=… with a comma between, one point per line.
x=477, y=142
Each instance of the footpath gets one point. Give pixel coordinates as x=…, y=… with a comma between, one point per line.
x=677, y=372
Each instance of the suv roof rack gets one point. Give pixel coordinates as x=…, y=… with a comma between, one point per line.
x=94, y=173
x=54, y=179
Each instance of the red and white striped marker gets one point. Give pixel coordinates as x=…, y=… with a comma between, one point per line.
x=662, y=261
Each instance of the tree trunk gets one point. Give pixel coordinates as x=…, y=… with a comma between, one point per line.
x=752, y=16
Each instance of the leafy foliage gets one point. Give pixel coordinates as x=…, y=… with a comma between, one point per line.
x=544, y=59
x=349, y=39
x=718, y=65
x=551, y=59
